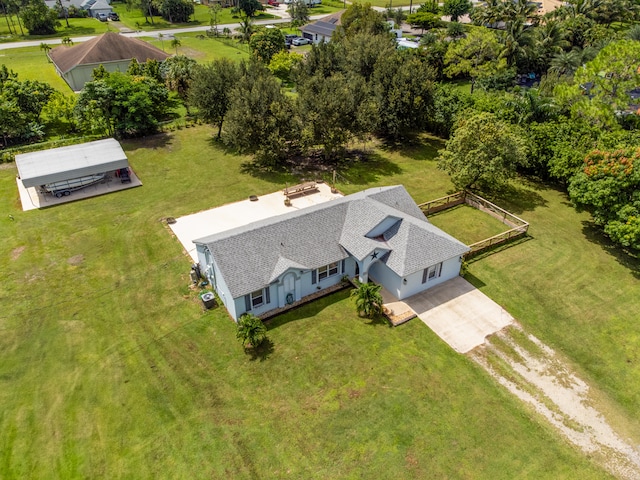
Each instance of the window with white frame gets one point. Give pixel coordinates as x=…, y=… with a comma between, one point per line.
x=328, y=270
x=432, y=272
x=257, y=298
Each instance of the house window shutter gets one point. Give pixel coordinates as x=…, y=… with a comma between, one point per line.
x=247, y=302
x=343, y=267
x=267, y=295
x=424, y=275
x=314, y=277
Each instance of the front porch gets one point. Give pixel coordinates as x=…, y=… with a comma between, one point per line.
x=397, y=311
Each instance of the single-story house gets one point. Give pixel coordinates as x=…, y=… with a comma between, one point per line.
x=81, y=5
x=94, y=7
x=321, y=30
x=114, y=51
x=379, y=233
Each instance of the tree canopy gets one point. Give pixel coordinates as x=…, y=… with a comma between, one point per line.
x=609, y=187
x=266, y=43
x=210, y=88
x=483, y=153
x=122, y=105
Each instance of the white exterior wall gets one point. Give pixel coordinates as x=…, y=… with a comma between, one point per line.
x=211, y=271
x=396, y=286
x=293, y=281
x=383, y=275
x=240, y=305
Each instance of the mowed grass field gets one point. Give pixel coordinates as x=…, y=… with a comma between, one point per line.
x=31, y=63
x=110, y=368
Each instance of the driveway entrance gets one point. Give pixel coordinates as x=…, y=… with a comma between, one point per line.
x=459, y=313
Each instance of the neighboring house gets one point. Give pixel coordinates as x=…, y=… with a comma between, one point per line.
x=104, y=6
x=94, y=7
x=321, y=30
x=379, y=233
x=113, y=51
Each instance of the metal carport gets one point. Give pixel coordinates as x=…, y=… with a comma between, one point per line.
x=66, y=163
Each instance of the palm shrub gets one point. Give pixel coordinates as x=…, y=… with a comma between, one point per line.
x=368, y=299
x=251, y=331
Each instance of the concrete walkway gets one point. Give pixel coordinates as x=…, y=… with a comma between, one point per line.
x=459, y=313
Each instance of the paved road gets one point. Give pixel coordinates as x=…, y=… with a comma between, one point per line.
x=140, y=33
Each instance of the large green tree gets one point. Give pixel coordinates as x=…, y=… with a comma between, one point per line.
x=176, y=11
x=335, y=109
x=361, y=18
x=483, y=153
x=177, y=72
x=210, y=90
x=121, y=105
x=476, y=55
x=260, y=119
x=456, y=8
x=266, y=43
x=403, y=90
x=299, y=12
x=247, y=9
x=601, y=89
x=39, y=19
x=609, y=187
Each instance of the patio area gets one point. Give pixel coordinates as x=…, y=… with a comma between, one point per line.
x=238, y=214
x=33, y=198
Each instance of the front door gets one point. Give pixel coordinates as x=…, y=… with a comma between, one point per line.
x=290, y=288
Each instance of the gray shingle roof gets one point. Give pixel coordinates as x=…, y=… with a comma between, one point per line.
x=325, y=26
x=255, y=255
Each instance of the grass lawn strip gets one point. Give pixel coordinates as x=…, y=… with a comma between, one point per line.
x=110, y=367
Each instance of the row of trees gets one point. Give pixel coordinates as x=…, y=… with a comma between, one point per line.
x=334, y=105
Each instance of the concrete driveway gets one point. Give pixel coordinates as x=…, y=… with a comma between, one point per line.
x=459, y=313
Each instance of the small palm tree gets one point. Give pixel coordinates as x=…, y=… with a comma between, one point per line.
x=251, y=331
x=175, y=43
x=67, y=41
x=368, y=299
x=46, y=47
x=566, y=63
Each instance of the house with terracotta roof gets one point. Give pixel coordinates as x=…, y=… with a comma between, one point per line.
x=379, y=234
x=113, y=51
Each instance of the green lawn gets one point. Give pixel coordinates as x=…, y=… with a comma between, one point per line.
x=31, y=63
x=467, y=224
x=202, y=48
x=134, y=19
x=77, y=27
x=109, y=368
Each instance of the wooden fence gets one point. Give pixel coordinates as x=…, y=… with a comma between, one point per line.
x=518, y=227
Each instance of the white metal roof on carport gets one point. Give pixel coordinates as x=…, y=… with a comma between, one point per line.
x=65, y=163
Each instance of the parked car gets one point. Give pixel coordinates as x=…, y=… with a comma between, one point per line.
x=273, y=3
x=114, y=17
x=300, y=41
x=102, y=17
